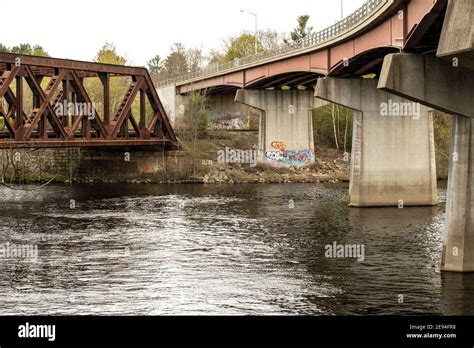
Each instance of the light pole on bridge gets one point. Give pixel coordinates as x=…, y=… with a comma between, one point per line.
x=256, y=28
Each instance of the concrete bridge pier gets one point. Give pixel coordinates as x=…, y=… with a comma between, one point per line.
x=393, y=153
x=225, y=110
x=447, y=87
x=172, y=103
x=286, y=125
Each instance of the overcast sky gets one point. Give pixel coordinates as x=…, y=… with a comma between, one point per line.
x=143, y=28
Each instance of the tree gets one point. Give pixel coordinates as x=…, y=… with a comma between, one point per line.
x=39, y=51
x=302, y=30
x=118, y=85
x=22, y=49
x=333, y=127
x=25, y=49
x=236, y=47
x=108, y=55
x=196, y=116
x=194, y=58
x=180, y=61
x=270, y=39
x=155, y=66
x=240, y=46
x=4, y=48
x=215, y=57
x=176, y=63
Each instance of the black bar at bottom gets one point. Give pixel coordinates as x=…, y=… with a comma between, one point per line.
x=140, y=331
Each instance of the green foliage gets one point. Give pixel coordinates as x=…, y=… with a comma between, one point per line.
x=118, y=85
x=196, y=118
x=241, y=46
x=39, y=51
x=302, y=29
x=442, y=135
x=324, y=123
x=155, y=65
x=25, y=49
x=236, y=47
x=254, y=122
x=108, y=55
x=22, y=49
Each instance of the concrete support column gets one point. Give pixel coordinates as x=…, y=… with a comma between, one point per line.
x=393, y=153
x=286, y=125
x=447, y=87
x=458, y=239
x=171, y=103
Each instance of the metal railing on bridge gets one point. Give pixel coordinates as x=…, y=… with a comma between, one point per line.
x=313, y=40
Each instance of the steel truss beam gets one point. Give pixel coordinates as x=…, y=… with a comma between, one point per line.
x=44, y=126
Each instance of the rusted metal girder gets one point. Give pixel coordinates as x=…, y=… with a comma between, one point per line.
x=42, y=126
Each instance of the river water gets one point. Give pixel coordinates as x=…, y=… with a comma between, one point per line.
x=221, y=249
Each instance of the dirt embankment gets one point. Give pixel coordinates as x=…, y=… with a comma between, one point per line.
x=329, y=165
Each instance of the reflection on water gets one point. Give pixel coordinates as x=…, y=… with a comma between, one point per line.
x=185, y=249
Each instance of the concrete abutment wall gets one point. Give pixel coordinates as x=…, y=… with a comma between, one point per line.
x=101, y=165
x=223, y=107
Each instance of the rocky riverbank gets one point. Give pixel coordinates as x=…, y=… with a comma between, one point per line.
x=322, y=171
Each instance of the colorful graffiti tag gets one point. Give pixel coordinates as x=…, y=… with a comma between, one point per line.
x=229, y=121
x=290, y=158
x=280, y=145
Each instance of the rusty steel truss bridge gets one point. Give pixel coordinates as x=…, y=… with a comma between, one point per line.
x=35, y=117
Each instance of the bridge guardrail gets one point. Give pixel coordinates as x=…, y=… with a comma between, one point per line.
x=315, y=39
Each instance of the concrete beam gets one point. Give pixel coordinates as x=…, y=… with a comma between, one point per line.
x=393, y=155
x=457, y=36
x=430, y=81
x=286, y=125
